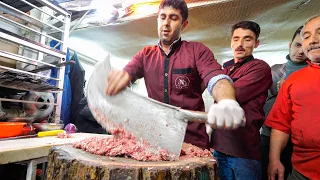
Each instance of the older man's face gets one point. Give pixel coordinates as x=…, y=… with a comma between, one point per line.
x=311, y=40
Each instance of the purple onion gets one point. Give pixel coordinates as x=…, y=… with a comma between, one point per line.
x=70, y=128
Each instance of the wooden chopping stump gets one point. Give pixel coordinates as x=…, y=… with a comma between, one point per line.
x=68, y=163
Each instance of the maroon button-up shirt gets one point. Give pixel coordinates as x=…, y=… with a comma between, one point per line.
x=252, y=79
x=176, y=79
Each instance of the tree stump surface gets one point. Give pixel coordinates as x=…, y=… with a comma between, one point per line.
x=69, y=163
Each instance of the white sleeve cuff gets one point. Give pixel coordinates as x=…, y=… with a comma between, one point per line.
x=213, y=81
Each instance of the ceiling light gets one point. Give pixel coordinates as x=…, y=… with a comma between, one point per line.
x=141, y=7
x=103, y=10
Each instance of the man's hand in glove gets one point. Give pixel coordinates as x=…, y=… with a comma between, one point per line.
x=226, y=114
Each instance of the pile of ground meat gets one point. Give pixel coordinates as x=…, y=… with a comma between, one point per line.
x=124, y=144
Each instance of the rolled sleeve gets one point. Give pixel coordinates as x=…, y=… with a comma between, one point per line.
x=213, y=81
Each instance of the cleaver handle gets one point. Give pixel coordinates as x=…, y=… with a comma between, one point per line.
x=201, y=117
x=194, y=116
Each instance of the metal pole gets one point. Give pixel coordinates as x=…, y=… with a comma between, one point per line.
x=76, y=25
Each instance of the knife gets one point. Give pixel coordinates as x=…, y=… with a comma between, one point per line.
x=39, y=134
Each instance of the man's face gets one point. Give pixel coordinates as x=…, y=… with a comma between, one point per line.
x=170, y=25
x=295, y=52
x=242, y=43
x=311, y=40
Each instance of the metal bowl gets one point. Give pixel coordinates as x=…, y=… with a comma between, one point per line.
x=47, y=126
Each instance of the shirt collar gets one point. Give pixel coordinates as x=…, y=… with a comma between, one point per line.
x=173, y=46
x=313, y=64
x=289, y=59
x=239, y=63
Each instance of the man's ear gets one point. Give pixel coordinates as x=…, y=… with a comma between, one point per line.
x=184, y=25
x=290, y=44
x=257, y=43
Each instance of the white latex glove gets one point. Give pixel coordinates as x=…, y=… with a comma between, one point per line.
x=226, y=114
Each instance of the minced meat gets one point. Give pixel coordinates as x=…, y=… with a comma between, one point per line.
x=123, y=144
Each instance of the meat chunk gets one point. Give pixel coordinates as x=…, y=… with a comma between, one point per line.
x=64, y=135
x=189, y=150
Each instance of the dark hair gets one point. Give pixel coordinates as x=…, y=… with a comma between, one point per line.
x=296, y=33
x=254, y=27
x=177, y=4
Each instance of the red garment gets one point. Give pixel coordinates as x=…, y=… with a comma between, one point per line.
x=296, y=111
x=252, y=79
x=176, y=79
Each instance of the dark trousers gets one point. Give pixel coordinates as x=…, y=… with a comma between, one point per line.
x=295, y=175
x=285, y=157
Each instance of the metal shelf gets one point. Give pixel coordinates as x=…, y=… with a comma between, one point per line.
x=39, y=9
x=26, y=72
x=56, y=8
x=23, y=101
x=21, y=15
x=23, y=59
x=29, y=80
x=4, y=34
x=26, y=27
x=30, y=89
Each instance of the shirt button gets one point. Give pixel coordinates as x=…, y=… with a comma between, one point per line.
x=165, y=90
x=166, y=74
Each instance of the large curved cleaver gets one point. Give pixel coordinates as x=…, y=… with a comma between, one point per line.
x=162, y=125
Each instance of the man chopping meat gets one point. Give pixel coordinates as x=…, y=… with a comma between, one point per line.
x=174, y=70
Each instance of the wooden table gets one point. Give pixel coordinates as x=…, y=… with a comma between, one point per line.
x=34, y=151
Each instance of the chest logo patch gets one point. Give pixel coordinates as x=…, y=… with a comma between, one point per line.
x=182, y=82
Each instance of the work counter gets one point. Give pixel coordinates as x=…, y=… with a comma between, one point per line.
x=34, y=151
